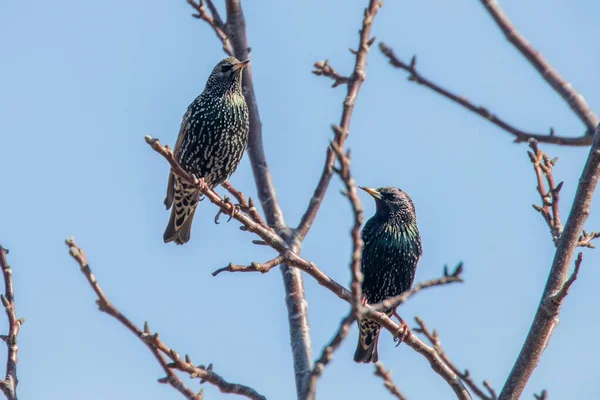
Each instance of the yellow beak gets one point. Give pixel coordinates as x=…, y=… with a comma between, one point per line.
x=240, y=65
x=372, y=192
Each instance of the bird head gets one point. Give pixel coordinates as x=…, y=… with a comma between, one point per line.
x=227, y=73
x=392, y=201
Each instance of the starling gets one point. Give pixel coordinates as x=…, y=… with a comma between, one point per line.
x=392, y=247
x=210, y=145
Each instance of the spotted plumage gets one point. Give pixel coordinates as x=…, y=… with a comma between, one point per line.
x=392, y=247
x=210, y=145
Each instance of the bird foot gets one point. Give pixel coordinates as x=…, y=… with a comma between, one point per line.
x=233, y=210
x=406, y=332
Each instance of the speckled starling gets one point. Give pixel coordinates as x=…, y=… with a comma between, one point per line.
x=210, y=145
x=392, y=247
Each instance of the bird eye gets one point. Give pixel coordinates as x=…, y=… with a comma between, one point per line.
x=226, y=67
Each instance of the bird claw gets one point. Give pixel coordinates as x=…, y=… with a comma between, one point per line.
x=232, y=213
x=406, y=332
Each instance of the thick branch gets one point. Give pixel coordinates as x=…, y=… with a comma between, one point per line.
x=9, y=384
x=388, y=382
x=161, y=352
x=465, y=376
x=236, y=29
x=572, y=97
x=545, y=321
x=520, y=135
x=354, y=83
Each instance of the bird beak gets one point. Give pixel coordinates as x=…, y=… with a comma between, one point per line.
x=372, y=192
x=240, y=65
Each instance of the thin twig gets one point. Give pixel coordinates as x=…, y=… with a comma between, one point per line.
x=353, y=83
x=214, y=20
x=388, y=382
x=9, y=384
x=246, y=206
x=447, y=278
x=542, y=396
x=357, y=243
x=168, y=358
x=542, y=165
x=585, y=240
x=572, y=97
x=465, y=376
x=546, y=317
x=355, y=268
x=322, y=68
x=253, y=267
x=520, y=135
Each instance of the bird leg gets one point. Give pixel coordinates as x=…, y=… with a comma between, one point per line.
x=234, y=210
x=406, y=332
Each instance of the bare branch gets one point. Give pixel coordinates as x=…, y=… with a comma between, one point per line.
x=542, y=164
x=585, y=240
x=161, y=352
x=520, y=135
x=253, y=267
x=353, y=83
x=465, y=376
x=436, y=362
x=267, y=234
x=394, y=302
x=572, y=97
x=322, y=68
x=293, y=259
x=357, y=243
x=246, y=206
x=562, y=293
x=214, y=20
x=546, y=317
x=9, y=384
x=388, y=382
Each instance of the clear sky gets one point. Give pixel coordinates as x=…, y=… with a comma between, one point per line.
x=81, y=83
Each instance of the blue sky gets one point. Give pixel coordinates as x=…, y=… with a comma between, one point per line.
x=83, y=82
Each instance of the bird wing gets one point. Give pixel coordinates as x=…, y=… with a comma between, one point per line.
x=171, y=184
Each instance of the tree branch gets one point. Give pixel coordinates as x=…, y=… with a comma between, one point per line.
x=291, y=258
x=394, y=302
x=253, y=267
x=168, y=358
x=388, y=382
x=214, y=20
x=465, y=376
x=572, y=97
x=520, y=135
x=546, y=320
x=9, y=384
x=542, y=164
x=353, y=83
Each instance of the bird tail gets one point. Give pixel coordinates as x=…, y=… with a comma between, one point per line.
x=368, y=337
x=184, y=199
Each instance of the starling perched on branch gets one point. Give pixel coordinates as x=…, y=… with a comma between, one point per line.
x=392, y=247
x=210, y=145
